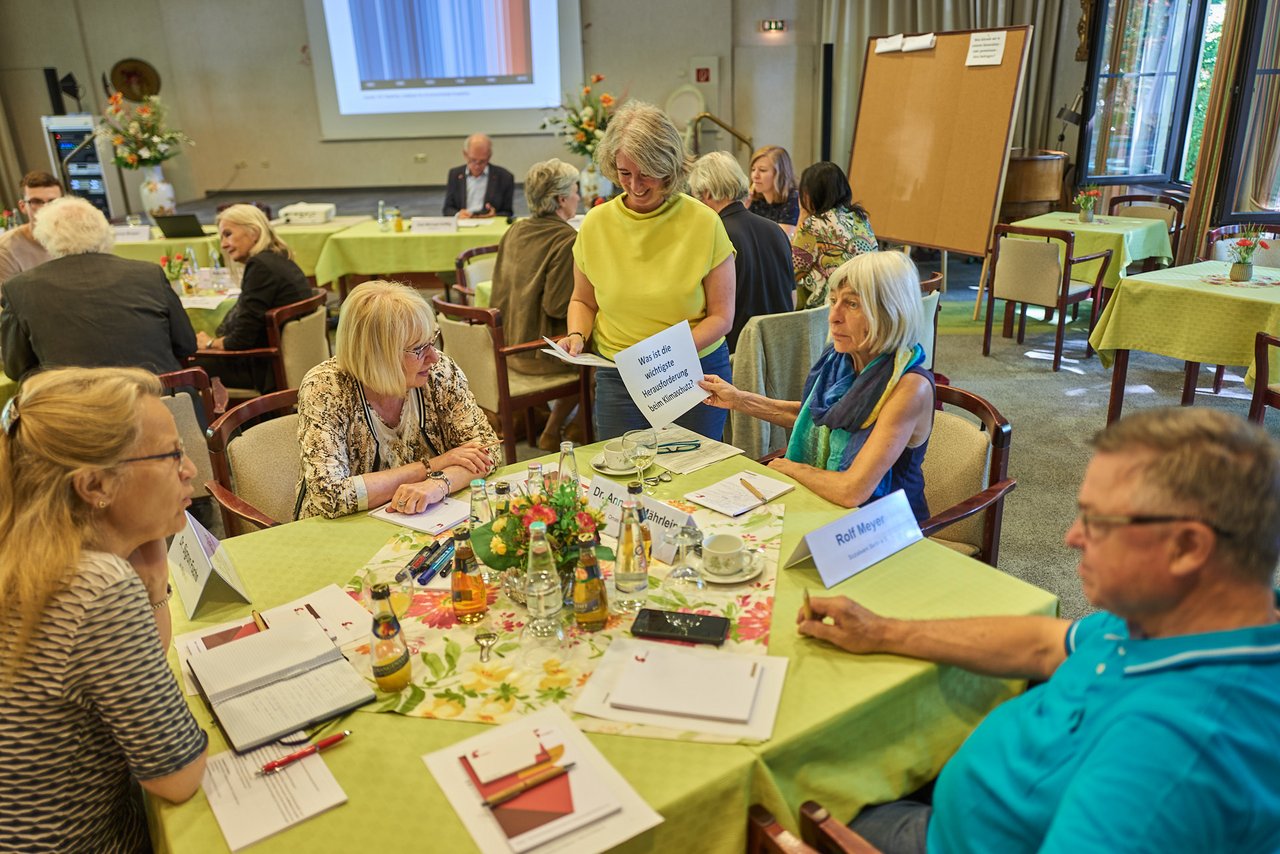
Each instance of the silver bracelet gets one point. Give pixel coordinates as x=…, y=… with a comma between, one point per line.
x=168, y=594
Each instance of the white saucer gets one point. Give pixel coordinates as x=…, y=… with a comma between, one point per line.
x=748, y=572
x=597, y=463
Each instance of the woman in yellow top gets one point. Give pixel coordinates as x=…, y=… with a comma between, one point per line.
x=645, y=261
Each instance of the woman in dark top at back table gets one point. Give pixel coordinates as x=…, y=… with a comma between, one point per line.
x=271, y=280
x=774, y=194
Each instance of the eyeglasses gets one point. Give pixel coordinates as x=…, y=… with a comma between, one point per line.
x=176, y=455
x=1099, y=524
x=37, y=203
x=421, y=350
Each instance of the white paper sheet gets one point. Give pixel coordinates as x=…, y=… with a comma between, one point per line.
x=923, y=42
x=661, y=374
x=591, y=360
x=343, y=619
x=685, y=462
x=593, y=700
x=986, y=48
x=889, y=44
x=670, y=680
x=731, y=498
x=250, y=808
x=435, y=520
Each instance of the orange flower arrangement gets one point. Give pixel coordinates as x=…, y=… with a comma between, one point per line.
x=1088, y=197
x=1242, y=248
x=138, y=134
x=582, y=125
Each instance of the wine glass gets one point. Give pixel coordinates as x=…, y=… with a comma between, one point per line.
x=684, y=568
x=641, y=448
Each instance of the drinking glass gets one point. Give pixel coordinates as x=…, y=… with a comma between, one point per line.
x=685, y=567
x=641, y=449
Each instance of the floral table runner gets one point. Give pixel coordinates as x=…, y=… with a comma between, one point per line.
x=451, y=682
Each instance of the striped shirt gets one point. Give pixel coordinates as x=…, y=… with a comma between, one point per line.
x=94, y=708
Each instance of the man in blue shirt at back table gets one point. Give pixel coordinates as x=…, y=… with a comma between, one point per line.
x=1158, y=728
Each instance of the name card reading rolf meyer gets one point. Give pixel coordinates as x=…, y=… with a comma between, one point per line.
x=868, y=535
x=661, y=374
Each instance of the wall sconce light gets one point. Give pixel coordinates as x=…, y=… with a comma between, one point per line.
x=773, y=25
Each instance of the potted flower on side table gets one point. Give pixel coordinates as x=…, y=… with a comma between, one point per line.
x=1241, y=251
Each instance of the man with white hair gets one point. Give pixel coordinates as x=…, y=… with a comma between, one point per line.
x=19, y=249
x=1157, y=723
x=479, y=188
x=88, y=308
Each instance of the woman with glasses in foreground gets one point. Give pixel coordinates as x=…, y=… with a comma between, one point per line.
x=389, y=418
x=92, y=480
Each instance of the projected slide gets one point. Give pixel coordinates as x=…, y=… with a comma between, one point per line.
x=441, y=43
x=401, y=56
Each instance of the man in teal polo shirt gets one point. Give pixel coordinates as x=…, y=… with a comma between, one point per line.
x=1158, y=728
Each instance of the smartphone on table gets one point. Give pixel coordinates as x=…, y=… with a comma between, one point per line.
x=673, y=625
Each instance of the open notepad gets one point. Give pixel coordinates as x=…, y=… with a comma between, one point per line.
x=675, y=681
x=731, y=498
x=435, y=520
x=276, y=682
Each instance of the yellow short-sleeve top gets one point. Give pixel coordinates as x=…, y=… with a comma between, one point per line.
x=647, y=269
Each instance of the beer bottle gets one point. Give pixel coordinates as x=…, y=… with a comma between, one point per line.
x=590, y=601
x=392, y=668
x=470, y=597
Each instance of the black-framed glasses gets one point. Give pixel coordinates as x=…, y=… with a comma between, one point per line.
x=1098, y=524
x=175, y=455
x=421, y=350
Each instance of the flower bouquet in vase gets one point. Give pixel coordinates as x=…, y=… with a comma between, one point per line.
x=503, y=544
x=1086, y=198
x=581, y=125
x=140, y=140
x=173, y=266
x=1241, y=251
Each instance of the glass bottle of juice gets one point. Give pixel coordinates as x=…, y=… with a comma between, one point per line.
x=470, y=597
x=590, y=601
x=392, y=667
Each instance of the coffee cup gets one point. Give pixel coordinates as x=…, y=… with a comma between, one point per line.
x=723, y=554
x=614, y=457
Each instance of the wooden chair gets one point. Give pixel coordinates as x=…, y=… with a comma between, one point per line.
x=821, y=834
x=966, y=470
x=256, y=469
x=1168, y=208
x=297, y=341
x=1265, y=393
x=191, y=424
x=472, y=266
x=474, y=339
x=1032, y=272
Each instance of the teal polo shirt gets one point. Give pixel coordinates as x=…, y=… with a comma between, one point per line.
x=1171, y=744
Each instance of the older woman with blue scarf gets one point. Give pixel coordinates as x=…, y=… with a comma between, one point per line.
x=861, y=429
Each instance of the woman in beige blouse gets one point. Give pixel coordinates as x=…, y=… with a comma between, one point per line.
x=389, y=418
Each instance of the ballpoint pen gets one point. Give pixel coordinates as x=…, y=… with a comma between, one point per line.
x=421, y=559
x=324, y=743
x=439, y=564
x=501, y=797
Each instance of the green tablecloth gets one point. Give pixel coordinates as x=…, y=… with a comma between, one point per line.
x=306, y=241
x=1191, y=313
x=1129, y=239
x=850, y=729
x=366, y=249
x=484, y=294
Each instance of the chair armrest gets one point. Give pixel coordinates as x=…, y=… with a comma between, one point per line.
x=237, y=506
x=967, y=508
x=1105, y=253
x=824, y=833
x=252, y=353
x=511, y=349
x=773, y=455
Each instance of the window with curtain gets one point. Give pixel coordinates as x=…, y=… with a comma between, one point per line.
x=1253, y=174
x=1150, y=69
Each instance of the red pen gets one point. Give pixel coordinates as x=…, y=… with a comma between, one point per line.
x=330, y=741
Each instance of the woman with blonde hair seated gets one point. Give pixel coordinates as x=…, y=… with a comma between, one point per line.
x=92, y=479
x=533, y=277
x=862, y=426
x=774, y=194
x=390, y=417
x=271, y=280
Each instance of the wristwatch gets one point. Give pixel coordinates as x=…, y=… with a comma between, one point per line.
x=442, y=478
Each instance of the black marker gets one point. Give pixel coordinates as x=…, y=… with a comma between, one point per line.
x=414, y=566
x=439, y=564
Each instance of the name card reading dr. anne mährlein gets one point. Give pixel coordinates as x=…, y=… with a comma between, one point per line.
x=661, y=374
x=843, y=548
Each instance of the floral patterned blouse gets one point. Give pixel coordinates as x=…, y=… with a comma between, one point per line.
x=342, y=440
x=823, y=243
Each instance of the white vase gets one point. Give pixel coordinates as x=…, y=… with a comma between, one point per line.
x=157, y=193
x=593, y=185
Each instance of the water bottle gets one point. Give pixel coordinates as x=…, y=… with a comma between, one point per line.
x=631, y=569
x=567, y=466
x=383, y=224
x=534, y=485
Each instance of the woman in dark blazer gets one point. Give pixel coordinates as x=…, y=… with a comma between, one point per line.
x=271, y=280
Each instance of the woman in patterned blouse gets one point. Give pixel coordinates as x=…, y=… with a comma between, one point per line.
x=389, y=418
x=836, y=230
x=92, y=479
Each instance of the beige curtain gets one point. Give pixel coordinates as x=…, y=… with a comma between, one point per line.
x=1204, y=185
x=1260, y=184
x=10, y=171
x=849, y=23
